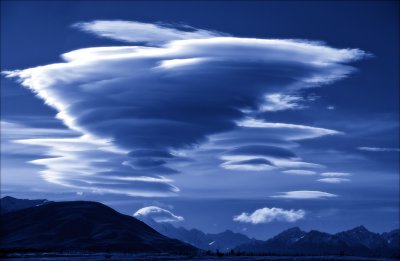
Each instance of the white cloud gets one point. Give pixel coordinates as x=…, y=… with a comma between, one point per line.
x=130, y=31
x=283, y=163
x=305, y=194
x=237, y=165
x=94, y=164
x=280, y=102
x=235, y=162
x=266, y=215
x=158, y=214
x=334, y=180
x=299, y=172
x=376, y=149
x=289, y=131
x=12, y=130
x=335, y=174
x=175, y=63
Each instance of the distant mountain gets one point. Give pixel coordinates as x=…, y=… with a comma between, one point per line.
x=82, y=225
x=9, y=204
x=227, y=240
x=357, y=242
x=283, y=242
x=224, y=241
x=288, y=237
x=361, y=237
x=392, y=239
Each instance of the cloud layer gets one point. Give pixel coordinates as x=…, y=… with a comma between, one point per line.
x=131, y=31
x=136, y=106
x=305, y=194
x=335, y=174
x=266, y=215
x=299, y=172
x=375, y=149
x=334, y=180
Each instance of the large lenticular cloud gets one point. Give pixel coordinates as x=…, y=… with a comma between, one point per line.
x=134, y=106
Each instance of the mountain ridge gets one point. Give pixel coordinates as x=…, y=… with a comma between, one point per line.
x=9, y=204
x=81, y=226
x=358, y=241
x=223, y=241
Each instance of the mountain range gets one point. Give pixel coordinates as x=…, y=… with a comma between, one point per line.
x=355, y=242
x=92, y=226
x=224, y=241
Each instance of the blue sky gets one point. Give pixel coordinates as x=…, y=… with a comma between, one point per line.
x=250, y=116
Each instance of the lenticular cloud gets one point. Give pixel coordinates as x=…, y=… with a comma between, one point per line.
x=157, y=214
x=163, y=97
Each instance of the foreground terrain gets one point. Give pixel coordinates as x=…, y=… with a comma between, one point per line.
x=76, y=230
x=81, y=226
x=166, y=257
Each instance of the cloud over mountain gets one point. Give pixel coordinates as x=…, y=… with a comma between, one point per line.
x=157, y=214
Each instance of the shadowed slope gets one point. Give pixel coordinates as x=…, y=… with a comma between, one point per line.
x=82, y=225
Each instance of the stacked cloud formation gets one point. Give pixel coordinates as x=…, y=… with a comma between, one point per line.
x=134, y=107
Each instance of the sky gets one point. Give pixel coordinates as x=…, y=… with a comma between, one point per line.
x=249, y=116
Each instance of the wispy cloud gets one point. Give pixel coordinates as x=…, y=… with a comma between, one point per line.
x=258, y=131
x=262, y=157
x=157, y=214
x=305, y=194
x=12, y=130
x=253, y=164
x=266, y=215
x=280, y=102
x=299, y=172
x=335, y=174
x=376, y=149
x=132, y=31
x=334, y=180
x=291, y=131
x=82, y=162
x=262, y=150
